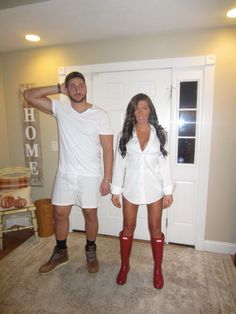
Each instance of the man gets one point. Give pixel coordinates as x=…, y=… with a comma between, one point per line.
x=83, y=130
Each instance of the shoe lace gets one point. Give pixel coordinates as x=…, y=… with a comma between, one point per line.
x=91, y=256
x=55, y=253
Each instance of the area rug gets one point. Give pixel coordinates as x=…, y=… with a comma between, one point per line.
x=195, y=282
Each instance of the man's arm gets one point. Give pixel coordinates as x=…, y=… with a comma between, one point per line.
x=37, y=97
x=107, y=146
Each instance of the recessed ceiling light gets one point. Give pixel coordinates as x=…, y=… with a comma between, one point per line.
x=231, y=13
x=32, y=37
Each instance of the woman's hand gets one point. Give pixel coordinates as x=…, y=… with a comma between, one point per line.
x=116, y=200
x=167, y=201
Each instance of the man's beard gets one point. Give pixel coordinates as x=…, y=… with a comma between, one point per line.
x=78, y=101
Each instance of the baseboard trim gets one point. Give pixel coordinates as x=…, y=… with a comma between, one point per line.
x=216, y=247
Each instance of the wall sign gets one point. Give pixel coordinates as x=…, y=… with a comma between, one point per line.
x=31, y=136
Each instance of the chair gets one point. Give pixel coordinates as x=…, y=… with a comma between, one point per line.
x=15, y=198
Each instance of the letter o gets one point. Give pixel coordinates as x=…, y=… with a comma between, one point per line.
x=30, y=132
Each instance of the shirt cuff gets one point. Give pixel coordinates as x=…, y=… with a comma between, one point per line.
x=169, y=189
x=116, y=190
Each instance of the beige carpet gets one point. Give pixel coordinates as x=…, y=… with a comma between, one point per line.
x=195, y=282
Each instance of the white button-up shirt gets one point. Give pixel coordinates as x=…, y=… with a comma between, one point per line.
x=142, y=176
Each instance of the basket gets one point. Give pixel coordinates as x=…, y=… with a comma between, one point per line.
x=44, y=214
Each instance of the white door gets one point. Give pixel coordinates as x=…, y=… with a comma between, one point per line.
x=185, y=148
x=113, y=91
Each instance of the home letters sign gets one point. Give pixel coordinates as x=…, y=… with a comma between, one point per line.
x=32, y=142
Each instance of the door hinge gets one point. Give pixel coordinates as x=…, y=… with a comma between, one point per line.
x=171, y=92
x=166, y=222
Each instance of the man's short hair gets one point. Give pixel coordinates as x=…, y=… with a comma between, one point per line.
x=73, y=75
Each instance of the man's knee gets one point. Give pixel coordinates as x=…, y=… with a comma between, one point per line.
x=59, y=214
x=90, y=215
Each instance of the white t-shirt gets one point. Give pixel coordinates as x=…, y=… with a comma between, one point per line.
x=80, y=149
x=142, y=176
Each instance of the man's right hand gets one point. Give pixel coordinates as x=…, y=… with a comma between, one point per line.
x=64, y=89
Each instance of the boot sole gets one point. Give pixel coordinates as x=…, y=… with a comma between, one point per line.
x=50, y=271
x=93, y=271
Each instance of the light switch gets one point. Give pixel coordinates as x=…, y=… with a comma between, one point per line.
x=54, y=146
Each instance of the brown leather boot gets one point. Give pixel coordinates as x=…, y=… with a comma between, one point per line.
x=157, y=252
x=58, y=258
x=125, y=250
x=91, y=257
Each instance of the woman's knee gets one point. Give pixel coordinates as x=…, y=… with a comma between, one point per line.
x=154, y=230
x=129, y=228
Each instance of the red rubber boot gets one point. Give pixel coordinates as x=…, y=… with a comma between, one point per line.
x=157, y=252
x=125, y=250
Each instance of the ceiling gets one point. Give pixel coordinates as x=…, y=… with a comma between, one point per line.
x=70, y=21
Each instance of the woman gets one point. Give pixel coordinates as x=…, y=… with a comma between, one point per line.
x=142, y=174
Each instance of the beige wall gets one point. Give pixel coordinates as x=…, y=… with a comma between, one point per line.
x=40, y=66
x=4, y=150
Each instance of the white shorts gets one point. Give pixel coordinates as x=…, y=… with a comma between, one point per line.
x=76, y=190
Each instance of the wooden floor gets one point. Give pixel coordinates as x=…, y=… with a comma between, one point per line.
x=12, y=240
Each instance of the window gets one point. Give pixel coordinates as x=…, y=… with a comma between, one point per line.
x=187, y=117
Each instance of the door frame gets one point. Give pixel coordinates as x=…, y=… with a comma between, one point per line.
x=207, y=63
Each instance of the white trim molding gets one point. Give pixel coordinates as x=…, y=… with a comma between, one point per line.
x=139, y=64
x=216, y=247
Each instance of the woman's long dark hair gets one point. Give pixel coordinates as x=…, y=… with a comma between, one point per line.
x=130, y=121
